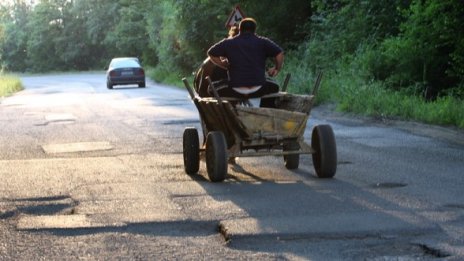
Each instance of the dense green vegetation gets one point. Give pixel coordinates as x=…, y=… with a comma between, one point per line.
x=397, y=58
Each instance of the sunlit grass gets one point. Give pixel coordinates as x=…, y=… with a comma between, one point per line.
x=374, y=100
x=9, y=84
x=166, y=77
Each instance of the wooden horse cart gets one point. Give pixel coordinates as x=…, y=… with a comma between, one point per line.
x=234, y=128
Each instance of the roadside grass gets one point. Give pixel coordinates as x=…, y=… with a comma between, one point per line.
x=9, y=84
x=348, y=88
x=374, y=100
x=167, y=77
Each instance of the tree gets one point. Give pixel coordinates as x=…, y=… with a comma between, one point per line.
x=129, y=36
x=285, y=22
x=194, y=33
x=72, y=45
x=46, y=27
x=340, y=28
x=100, y=17
x=429, y=48
x=14, y=36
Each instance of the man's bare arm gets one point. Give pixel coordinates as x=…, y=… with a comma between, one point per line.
x=220, y=61
x=279, y=62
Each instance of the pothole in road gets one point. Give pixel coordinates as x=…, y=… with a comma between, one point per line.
x=389, y=185
x=45, y=205
x=59, y=205
x=432, y=251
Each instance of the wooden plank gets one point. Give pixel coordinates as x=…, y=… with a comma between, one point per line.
x=237, y=124
x=279, y=122
x=217, y=118
x=299, y=103
x=189, y=89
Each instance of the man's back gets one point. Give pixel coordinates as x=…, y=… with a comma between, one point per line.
x=244, y=56
x=247, y=54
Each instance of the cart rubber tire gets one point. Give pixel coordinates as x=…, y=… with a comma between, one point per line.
x=291, y=161
x=216, y=156
x=191, y=145
x=325, y=155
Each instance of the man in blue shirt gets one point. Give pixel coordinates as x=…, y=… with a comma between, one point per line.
x=244, y=56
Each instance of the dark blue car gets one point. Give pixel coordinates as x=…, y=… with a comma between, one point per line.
x=124, y=71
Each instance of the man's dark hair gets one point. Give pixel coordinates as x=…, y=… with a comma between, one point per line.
x=247, y=25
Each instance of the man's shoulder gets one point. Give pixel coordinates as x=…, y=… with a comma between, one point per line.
x=264, y=38
x=255, y=38
x=217, y=47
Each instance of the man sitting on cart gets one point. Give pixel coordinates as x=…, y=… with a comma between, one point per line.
x=217, y=74
x=244, y=56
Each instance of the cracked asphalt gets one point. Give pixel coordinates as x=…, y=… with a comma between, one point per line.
x=89, y=173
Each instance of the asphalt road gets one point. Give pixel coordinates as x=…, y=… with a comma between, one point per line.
x=89, y=173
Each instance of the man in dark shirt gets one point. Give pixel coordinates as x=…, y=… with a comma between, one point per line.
x=244, y=56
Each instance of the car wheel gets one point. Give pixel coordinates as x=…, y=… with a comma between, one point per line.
x=142, y=85
x=109, y=85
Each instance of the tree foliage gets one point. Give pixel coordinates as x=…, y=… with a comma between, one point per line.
x=14, y=36
x=429, y=47
x=414, y=44
x=405, y=44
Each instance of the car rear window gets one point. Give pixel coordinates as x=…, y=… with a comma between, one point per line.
x=124, y=63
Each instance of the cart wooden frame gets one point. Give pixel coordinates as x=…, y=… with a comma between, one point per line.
x=232, y=128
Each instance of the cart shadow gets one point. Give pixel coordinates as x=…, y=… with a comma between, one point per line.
x=239, y=169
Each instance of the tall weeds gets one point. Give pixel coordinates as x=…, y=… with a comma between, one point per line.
x=9, y=84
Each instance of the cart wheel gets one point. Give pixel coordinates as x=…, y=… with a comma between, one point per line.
x=325, y=155
x=291, y=161
x=191, y=146
x=216, y=156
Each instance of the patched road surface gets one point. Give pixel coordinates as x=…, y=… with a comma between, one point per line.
x=97, y=174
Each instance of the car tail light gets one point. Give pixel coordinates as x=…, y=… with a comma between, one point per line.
x=140, y=72
x=113, y=73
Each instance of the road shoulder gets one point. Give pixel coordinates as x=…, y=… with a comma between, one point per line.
x=443, y=133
